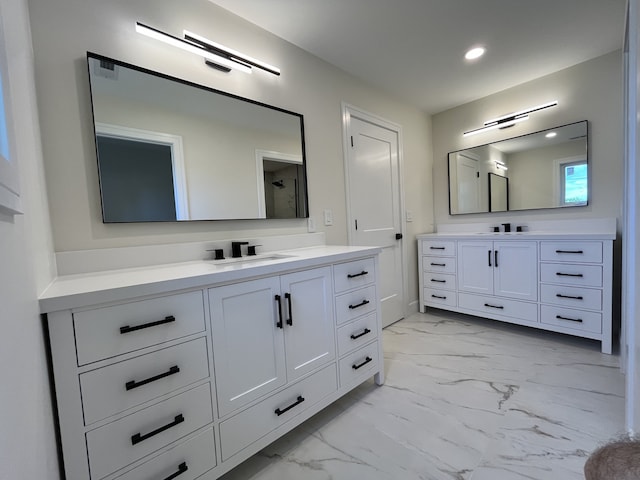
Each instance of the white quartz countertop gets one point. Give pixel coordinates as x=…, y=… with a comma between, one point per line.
x=540, y=235
x=82, y=290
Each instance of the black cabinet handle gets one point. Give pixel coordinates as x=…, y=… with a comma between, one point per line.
x=438, y=281
x=361, y=304
x=436, y=248
x=569, y=251
x=354, y=275
x=398, y=236
x=290, y=319
x=133, y=384
x=495, y=258
x=364, y=332
x=367, y=360
x=138, y=437
x=181, y=469
x=127, y=328
x=568, y=274
x=560, y=317
x=295, y=404
x=437, y=296
x=279, y=322
x=559, y=295
x=489, y=257
x=439, y=264
x=494, y=306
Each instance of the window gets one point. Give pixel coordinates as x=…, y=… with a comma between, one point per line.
x=574, y=189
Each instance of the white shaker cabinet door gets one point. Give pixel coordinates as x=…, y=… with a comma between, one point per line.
x=248, y=341
x=309, y=322
x=475, y=267
x=516, y=270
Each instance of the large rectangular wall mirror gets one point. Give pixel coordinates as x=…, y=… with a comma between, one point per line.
x=546, y=169
x=172, y=150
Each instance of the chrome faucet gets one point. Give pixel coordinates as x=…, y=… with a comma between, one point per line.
x=236, y=249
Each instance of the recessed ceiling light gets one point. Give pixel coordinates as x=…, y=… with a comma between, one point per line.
x=474, y=53
x=551, y=134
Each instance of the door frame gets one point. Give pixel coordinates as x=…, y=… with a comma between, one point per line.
x=349, y=111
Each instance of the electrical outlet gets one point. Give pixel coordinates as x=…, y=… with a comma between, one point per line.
x=328, y=217
x=409, y=216
x=311, y=224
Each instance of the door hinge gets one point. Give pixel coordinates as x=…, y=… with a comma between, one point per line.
x=356, y=224
x=477, y=174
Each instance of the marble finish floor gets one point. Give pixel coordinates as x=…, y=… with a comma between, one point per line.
x=464, y=398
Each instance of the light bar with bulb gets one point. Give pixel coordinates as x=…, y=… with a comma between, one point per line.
x=212, y=59
x=509, y=119
x=231, y=54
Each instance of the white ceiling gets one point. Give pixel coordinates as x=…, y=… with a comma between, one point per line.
x=414, y=48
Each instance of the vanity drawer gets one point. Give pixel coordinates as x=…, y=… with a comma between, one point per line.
x=574, y=252
x=440, y=281
x=570, y=318
x=439, y=297
x=107, y=391
x=248, y=426
x=112, y=447
x=354, y=304
x=102, y=333
x=571, y=274
x=192, y=457
x=439, y=264
x=357, y=333
x=353, y=274
x=444, y=248
x=359, y=365
x=576, y=297
x=528, y=312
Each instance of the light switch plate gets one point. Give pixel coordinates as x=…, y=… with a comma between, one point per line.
x=409, y=216
x=328, y=217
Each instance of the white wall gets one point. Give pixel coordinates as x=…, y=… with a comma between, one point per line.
x=27, y=439
x=588, y=91
x=65, y=29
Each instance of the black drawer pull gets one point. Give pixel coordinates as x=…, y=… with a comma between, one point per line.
x=361, y=304
x=127, y=328
x=290, y=319
x=354, y=275
x=579, y=320
x=489, y=257
x=438, y=296
x=495, y=258
x=559, y=295
x=364, y=332
x=367, y=360
x=438, y=281
x=138, y=437
x=279, y=322
x=181, y=469
x=569, y=274
x=494, y=306
x=438, y=264
x=436, y=248
x=299, y=400
x=569, y=251
x=133, y=384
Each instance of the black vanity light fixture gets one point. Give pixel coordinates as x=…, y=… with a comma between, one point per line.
x=215, y=55
x=509, y=120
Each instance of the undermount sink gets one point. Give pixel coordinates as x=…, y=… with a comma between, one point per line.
x=249, y=259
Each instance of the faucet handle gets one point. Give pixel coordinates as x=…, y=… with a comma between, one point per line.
x=218, y=253
x=251, y=249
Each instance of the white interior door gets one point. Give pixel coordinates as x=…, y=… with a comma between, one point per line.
x=373, y=184
x=468, y=184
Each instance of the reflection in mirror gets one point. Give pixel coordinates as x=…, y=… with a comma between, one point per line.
x=546, y=169
x=170, y=150
x=498, y=193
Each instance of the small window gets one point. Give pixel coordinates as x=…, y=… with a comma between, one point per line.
x=574, y=186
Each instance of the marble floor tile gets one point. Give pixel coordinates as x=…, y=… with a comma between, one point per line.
x=464, y=399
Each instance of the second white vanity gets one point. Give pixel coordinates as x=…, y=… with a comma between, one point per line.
x=185, y=370
x=552, y=279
